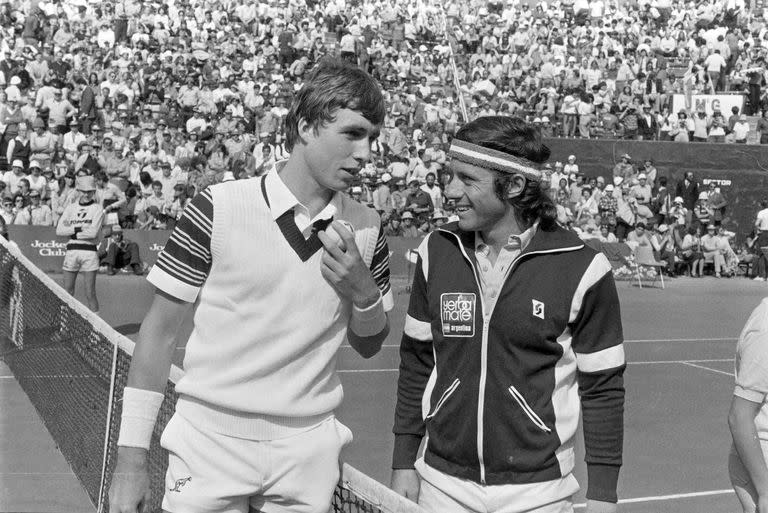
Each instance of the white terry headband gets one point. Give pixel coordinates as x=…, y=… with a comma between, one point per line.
x=489, y=158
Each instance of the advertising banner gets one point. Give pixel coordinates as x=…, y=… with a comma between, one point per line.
x=710, y=103
x=41, y=245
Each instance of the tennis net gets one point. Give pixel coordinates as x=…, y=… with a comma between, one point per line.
x=73, y=367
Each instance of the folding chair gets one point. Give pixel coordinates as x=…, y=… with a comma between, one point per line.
x=644, y=259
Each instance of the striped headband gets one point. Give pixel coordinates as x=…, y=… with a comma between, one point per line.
x=477, y=155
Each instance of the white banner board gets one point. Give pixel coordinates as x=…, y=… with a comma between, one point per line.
x=710, y=102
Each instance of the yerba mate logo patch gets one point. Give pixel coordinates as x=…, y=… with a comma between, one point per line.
x=457, y=314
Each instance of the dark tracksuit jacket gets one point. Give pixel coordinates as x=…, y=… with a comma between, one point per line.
x=498, y=392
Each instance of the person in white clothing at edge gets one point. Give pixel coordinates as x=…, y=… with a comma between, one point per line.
x=761, y=227
x=281, y=270
x=748, y=417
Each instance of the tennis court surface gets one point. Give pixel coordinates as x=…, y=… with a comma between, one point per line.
x=680, y=344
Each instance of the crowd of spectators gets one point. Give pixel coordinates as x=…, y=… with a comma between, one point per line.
x=159, y=100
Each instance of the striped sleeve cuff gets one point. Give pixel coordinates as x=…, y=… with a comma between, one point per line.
x=186, y=256
x=172, y=285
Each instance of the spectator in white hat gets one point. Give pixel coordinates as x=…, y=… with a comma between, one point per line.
x=382, y=196
x=39, y=213
x=14, y=176
x=71, y=140
x=81, y=222
x=409, y=228
x=571, y=166
x=37, y=182
x=642, y=190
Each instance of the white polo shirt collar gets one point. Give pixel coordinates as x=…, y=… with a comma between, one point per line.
x=281, y=200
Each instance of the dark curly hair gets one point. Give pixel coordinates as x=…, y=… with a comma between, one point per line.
x=515, y=136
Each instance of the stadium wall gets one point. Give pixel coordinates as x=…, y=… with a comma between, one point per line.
x=740, y=170
x=41, y=245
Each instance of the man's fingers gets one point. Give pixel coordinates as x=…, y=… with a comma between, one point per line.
x=334, y=265
x=346, y=235
x=331, y=246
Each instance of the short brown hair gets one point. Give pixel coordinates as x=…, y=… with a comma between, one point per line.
x=334, y=84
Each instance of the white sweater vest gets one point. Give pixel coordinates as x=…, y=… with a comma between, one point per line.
x=261, y=360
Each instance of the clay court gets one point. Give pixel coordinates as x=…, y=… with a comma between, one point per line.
x=680, y=344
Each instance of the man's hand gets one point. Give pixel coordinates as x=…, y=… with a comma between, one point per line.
x=405, y=481
x=344, y=269
x=130, y=492
x=601, y=507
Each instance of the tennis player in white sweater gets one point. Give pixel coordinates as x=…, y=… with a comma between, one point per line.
x=280, y=270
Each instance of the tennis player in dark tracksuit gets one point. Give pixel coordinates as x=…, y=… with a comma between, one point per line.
x=513, y=328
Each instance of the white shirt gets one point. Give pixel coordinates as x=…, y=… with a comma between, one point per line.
x=762, y=220
x=752, y=365
x=493, y=275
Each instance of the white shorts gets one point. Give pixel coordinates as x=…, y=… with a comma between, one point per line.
x=212, y=472
x=441, y=492
x=81, y=260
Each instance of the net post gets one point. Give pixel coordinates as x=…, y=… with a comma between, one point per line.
x=107, y=429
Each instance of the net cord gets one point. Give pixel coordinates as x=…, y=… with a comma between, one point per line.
x=107, y=430
x=375, y=493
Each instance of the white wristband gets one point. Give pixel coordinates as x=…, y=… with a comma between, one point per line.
x=369, y=321
x=140, y=409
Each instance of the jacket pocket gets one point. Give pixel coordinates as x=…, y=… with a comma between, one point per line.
x=528, y=410
x=444, y=398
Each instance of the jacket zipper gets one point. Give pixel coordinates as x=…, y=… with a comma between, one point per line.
x=443, y=398
x=484, y=342
x=483, y=366
x=528, y=410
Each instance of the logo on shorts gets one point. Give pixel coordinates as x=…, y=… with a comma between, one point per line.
x=179, y=484
x=457, y=314
x=538, y=308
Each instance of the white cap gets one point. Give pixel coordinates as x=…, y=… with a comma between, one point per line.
x=356, y=190
x=571, y=157
x=18, y=163
x=34, y=163
x=642, y=176
x=703, y=196
x=86, y=183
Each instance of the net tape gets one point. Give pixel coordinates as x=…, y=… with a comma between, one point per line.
x=73, y=367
